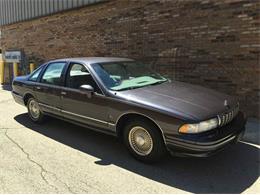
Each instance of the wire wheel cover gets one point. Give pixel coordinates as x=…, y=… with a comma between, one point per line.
x=140, y=141
x=34, y=109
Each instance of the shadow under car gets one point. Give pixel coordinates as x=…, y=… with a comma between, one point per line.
x=232, y=170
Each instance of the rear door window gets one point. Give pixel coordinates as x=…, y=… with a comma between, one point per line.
x=52, y=74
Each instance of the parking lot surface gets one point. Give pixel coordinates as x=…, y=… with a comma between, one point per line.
x=58, y=157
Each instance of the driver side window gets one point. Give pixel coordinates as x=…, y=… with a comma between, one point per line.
x=78, y=75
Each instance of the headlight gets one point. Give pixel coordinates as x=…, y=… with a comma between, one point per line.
x=199, y=127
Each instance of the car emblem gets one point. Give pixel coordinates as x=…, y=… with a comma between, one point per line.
x=226, y=104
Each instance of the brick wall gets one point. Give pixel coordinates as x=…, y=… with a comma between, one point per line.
x=211, y=43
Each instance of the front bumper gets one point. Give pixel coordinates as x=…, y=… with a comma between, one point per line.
x=207, y=143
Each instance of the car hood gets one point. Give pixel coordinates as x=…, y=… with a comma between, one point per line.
x=182, y=100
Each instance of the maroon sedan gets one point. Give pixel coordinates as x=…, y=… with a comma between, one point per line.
x=125, y=98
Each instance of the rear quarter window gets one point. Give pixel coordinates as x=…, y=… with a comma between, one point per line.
x=35, y=74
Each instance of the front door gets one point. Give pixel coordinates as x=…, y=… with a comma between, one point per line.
x=48, y=90
x=77, y=104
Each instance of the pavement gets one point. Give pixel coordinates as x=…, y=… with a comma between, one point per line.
x=58, y=157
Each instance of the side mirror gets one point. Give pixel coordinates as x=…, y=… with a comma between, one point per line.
x=87, y=89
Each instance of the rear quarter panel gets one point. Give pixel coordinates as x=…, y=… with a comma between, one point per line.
x=22, y=88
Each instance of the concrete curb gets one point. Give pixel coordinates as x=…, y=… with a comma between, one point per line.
x=252, y=131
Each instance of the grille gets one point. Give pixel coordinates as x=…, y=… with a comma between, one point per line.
x=227, y=117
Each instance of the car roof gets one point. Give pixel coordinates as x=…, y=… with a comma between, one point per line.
x=91, y=60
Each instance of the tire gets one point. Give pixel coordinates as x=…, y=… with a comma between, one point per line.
x=34, y=111
x=144, y=141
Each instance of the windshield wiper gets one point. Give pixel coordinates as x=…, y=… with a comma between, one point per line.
x=129, y=88
x=135, y=87
x=158, y=82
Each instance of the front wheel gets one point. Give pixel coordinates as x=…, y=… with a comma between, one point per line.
x=34, y=111
x=144, y=141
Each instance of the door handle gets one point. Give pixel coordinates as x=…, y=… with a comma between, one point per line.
x=38, y=88
x=63, y=93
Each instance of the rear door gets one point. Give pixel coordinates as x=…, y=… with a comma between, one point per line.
x=48, y=89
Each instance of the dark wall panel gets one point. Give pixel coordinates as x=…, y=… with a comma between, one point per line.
x=12, y=11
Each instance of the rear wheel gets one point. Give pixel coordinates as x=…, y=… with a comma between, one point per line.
x=34, y=111
x=144, y=141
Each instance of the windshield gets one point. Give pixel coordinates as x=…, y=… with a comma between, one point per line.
x=119, y=76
